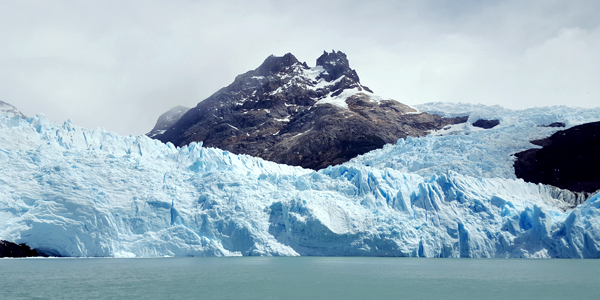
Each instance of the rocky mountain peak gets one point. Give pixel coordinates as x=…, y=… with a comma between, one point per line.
x=336, y=65
x=275, y=64
x=287, y=112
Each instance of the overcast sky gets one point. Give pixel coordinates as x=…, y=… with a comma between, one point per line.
x=120, y=64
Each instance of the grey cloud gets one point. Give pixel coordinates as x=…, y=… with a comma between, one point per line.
x=120, y=64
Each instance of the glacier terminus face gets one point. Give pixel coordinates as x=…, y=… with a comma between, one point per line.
x=71, y=191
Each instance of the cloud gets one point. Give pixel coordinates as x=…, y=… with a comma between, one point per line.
x=120, y=64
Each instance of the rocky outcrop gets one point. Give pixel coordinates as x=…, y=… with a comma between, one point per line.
x=554, y=124
x=287, y=112
x=569, y=159
x=8, y=249
x=486, y=124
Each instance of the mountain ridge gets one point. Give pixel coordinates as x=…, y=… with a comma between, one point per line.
x=287, y=112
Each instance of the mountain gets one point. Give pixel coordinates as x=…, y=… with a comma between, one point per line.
x=287, y=112
x=166, y=120
x=9, y=110
x=71, y=191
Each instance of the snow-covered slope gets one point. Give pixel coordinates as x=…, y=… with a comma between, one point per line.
x=80, y=192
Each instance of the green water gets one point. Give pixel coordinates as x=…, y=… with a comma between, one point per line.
x=298, y=278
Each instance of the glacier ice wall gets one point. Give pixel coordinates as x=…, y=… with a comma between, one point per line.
x=474, y=151
x=72, y=191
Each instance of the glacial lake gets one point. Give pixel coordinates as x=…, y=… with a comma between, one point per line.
x=298, y=278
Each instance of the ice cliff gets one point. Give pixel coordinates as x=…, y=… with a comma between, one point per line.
x=70, y=191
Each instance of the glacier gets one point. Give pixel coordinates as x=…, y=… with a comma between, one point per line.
x=72, y=191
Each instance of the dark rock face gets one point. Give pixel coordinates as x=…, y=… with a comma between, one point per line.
x=555, y=124
x=336, y=65
x=166, y=120
x=8, y=249
x=274, y=64
x=289, y=113
x=569, y=159
x=486, y=124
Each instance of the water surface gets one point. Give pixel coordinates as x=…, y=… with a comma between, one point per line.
x=298, y=278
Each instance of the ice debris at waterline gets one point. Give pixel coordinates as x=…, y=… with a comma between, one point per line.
x=69, y=191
